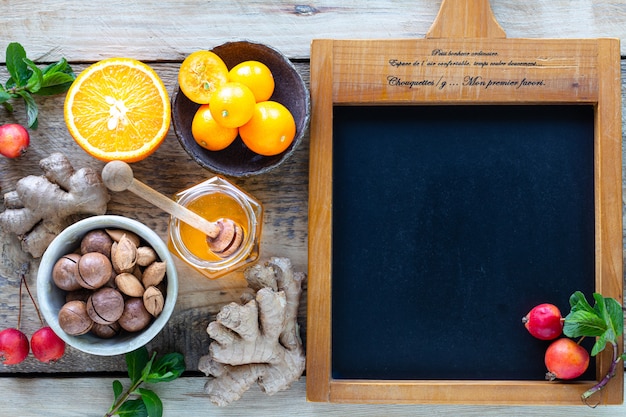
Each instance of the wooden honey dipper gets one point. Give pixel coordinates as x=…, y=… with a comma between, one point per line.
x=224, y=236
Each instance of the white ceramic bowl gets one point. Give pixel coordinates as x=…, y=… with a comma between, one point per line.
x=51, y=298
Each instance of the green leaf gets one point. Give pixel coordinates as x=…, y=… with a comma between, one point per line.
x=36, y=78
x=118, y=388
x=148, y=368
x=4, y=96
x=133, y=408
x=55, y=83
x=7, y=106
x=602, y=341
x=136, y=361
x=600, y=306
x=60, y=66
x=54, y=89
x=583, y=323
x=616, y=316
x=4, y=99
x=578, y=302
x=167, y=368
x=31, y=108
x=605, y=320
x=57, y=78
x=153, y=403
x=17, y=68
x=10, y=84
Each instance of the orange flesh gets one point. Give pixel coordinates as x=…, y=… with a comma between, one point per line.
x=118, y=109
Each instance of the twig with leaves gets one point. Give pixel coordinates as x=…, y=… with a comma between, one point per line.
x=605, y=322
x=143, y=402
x=27, y=79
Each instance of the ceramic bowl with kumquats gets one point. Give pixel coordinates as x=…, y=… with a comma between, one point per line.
x=239, y=109
x=107, y=285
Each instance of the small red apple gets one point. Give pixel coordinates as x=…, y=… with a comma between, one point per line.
x=544, y=322
x=46, y=345
x=13, y=346
x=14, y=140
x=566, y=359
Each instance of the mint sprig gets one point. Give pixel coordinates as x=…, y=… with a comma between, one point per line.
x=604, y=321
x=27, y=80
x=142, y=402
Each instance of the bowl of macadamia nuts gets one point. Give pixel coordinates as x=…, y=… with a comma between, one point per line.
x=107, y=285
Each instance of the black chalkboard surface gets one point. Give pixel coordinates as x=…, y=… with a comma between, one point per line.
x=449, y=223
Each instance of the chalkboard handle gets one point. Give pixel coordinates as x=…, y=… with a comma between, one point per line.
x=465, y=19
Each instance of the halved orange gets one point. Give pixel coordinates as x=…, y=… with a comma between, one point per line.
x=118, y=108
x=200, y=73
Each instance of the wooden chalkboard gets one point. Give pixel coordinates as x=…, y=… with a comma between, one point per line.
x=456, y=181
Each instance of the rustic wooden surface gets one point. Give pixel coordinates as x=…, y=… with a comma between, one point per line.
x=168, y=30
x=283, y=193
x=162, y=34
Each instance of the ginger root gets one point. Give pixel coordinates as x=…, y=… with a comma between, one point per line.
x=258, y=341
x=42, y=206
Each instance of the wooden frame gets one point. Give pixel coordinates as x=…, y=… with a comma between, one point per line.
x=459, y=63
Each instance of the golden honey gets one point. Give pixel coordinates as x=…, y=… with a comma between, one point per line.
x=214, y=199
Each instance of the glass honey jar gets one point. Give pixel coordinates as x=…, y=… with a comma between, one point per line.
x=213, y=199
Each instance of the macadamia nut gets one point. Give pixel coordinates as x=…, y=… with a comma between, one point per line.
x=65, y=272
x=94, y=270
x=106, y=331
x=105, y=306
x=96, y=241
x=135, y=316
x=73, y=318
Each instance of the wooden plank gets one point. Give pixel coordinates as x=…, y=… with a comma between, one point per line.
x=465, y=71
x=28, y=397
x=456, y=392
x=169, y=30
x=452, y=22
x=320, y=220
x=609, y=243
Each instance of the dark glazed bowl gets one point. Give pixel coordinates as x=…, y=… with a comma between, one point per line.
x=237, y=160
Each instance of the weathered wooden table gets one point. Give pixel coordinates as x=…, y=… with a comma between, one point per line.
x=162, y=34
